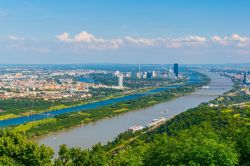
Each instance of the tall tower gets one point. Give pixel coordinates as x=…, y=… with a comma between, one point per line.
x=171, y=73
x=139, y=72
x=176, y=70
x=245, y=80
x=120, y=80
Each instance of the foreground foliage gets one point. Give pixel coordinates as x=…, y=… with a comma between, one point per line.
x=16, y=150
x=200, y=136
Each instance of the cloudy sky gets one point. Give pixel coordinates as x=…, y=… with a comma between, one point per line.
x=124, y=31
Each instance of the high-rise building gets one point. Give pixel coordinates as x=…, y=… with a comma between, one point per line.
x=158, y=74
x=171, y=73
x=176, y=69
x=120, y=80
x=138, y=75
x=153, y=73
x=245, y=79
x=128, y=74
x=117, y=73
x=149, y=74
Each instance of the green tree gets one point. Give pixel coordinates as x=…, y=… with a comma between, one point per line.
x=196, y=146
x=17, y=148
x=8, y=161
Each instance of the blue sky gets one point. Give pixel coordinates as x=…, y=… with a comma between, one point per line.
x=124, y=31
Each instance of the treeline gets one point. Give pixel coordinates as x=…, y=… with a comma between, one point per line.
x=104, y=92
x=228, y=100
x=19, y=106
x=200, y=136
x=25, y=105
x=22, y=105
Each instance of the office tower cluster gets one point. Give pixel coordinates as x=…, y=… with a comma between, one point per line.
x=170, y=73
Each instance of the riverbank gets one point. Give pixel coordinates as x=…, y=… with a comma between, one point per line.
x=70, y=120
x=5, y=115
x=30, y=115
x=65, y=121
x=106, y=130
x=76, y=117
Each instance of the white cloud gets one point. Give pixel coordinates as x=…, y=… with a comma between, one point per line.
x=239, y=38
x=63, y=37
x=90, y=41
x=81, y=37
x=84, y=41
x=15, y=38
x=198, y=39
x=235, y=40
x=140, y=41
x=241, y=41
x=190, y=41
x=86, y=37
x=216, y=38
x=220, y=40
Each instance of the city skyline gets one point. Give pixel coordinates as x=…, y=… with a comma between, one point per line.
x=63, y=32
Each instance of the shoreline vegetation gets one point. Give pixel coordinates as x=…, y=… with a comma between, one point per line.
x=65, y=121
x=5, y=115
x=203, y=135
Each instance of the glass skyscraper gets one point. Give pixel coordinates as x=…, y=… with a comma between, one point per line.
x=176, y=69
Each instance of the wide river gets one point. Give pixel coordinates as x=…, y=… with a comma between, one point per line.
x=107, y=129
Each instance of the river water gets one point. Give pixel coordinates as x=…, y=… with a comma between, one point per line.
x=107, y=129
x=194, y=78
